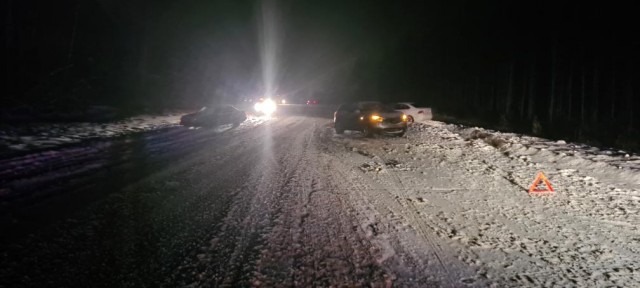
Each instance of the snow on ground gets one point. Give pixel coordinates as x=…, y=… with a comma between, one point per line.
x=468, y=186
x=291, y=203
x=47, y=135
x=32, y=174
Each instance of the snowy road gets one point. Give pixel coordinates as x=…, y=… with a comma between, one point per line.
x=286, y=202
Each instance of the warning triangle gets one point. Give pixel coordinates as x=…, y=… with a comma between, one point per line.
x=540, y=178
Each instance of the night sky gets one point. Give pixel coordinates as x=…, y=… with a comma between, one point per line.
x=546, y=61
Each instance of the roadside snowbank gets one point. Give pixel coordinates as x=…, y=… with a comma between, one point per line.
x=617, y=165
x=584, y=234
x=47, y=135
x=463, y=191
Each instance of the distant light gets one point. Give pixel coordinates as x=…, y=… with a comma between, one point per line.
x=283, y=101
x=267, y=107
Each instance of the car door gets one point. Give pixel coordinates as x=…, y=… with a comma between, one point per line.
x=206, y=117
x=224, y=115
x=408, y=110
x=347, y=116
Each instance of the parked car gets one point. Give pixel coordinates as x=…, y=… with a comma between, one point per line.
x=370, y=118
x=214, y=116
x=413, y=113
x=312, y=102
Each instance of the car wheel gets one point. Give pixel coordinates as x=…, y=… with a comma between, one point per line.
x=338, y=127
x=410, y=119
x=368, y=132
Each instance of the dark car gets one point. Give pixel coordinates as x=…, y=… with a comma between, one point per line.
x=370, y=118
x=214, y=116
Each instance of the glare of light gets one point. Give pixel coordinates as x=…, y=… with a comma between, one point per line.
x=283, y=101
x=269, y=44
x=404, y=117
x=377, y=118
x=268, y=107
x=269, y=38
x=258, y=106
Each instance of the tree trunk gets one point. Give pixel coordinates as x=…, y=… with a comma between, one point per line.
x=477, y=102
x=552, y=95
x=74, y=99
x=492, y=99
x=594, y=100
x=523, y=100
x=630, y=100
x=532, y=96
x=507, y=111
x=73, y=34
x=582, y=95
x=613, y=91
x=8, y=43
x=570, y=93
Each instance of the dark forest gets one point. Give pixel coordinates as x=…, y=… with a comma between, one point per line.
x=559, y=69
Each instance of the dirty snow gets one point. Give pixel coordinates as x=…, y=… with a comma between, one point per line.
x=467, y=188
x=444, y=206
x=47, y=135
x=291, y=203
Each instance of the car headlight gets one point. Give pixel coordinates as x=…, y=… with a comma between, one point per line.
x=268, y=107
x=376, y=118
x=404, y=117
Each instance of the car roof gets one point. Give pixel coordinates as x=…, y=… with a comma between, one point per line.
x=363, y=103
x=358, y=103
x=212, y=107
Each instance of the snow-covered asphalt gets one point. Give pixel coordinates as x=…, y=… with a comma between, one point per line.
x=287, y=202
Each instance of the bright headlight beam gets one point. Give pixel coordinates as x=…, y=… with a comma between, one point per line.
x=268, y=107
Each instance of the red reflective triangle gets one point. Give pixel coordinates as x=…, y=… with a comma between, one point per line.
x=540, y=178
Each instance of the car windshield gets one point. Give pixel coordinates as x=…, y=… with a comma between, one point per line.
x=376, y=106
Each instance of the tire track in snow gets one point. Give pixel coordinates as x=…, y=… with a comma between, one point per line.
x=376, y=192
x=547, y=231
x=251, y=215
x=313, y=243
